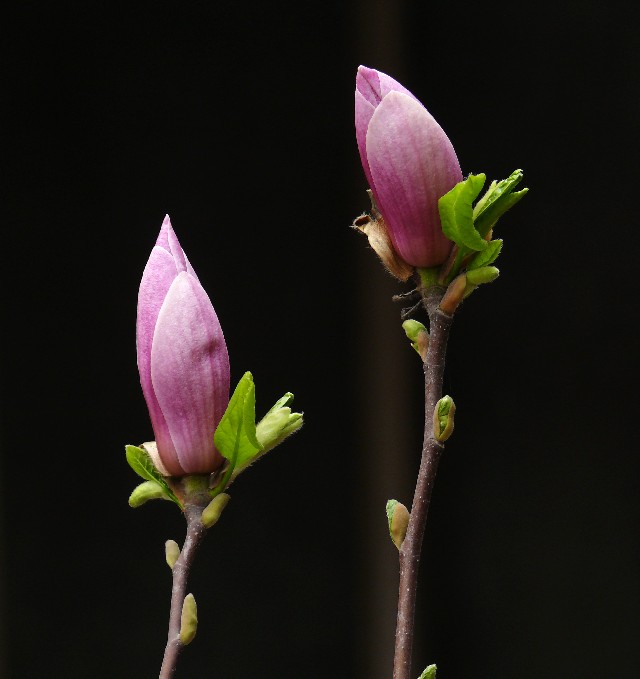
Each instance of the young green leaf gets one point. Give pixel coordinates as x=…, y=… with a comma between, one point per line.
x=149, y=490
x=456, y=213
x=496, y=201
x=141, y=463
x=429, y=673
x=487, y=256
x=235, y=436
x=485, y=274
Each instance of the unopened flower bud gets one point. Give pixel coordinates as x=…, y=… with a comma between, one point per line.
x=409, y=163
x=182, y=360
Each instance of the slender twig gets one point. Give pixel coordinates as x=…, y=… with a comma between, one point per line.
x=195, y=533
x=440, y=323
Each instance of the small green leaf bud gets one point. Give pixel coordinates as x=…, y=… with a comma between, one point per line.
x=485, y=274
x=149, y=490
x=188, y=620
x=418, y=335
x=429, y=673
x=454, y=294
x=213, y=510
x=398, y=517
x=171, y=553
x=443, y=418
x=277, y=424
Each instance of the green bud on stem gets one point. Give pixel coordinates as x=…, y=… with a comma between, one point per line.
x=171, y=553
x=188, y=620
x=213, y=510
x=429, y=673
x=443, y=418
x=418, y=335
x=454, y=294
x=149, y=490
x=485, y=274
x=398, y=517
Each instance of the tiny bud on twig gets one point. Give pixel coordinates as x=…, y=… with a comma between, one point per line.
x=398, y=517
x=189, y=620
x=443, y=418
x=171, y=553
x=454, y=294
x=418, y=335
x=213, y=510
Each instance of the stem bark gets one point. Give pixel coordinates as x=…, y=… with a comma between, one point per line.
x=440, y=324
x=181, y=568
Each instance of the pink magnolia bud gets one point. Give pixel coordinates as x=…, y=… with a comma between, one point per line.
x=182, y=359
x=409, y=162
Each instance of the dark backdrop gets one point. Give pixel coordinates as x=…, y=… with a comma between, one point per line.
x=236, y=119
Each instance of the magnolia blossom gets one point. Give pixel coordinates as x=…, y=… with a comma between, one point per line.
x=409, y=163
x=182, y=359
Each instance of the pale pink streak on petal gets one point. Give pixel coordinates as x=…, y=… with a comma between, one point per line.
x=190, y=373
x=412, y=164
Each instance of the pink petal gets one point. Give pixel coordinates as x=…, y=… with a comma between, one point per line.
x=374, y=85
x=190, y=374
x=159, y=274
x=412, y=164
x=364, y=111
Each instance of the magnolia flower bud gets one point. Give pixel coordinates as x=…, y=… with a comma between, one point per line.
x=409, y=163
x=182, y=359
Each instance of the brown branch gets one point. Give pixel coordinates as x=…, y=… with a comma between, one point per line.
x=440, y=324
x=181, y=568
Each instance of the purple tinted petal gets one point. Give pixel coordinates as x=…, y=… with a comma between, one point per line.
x=364, y=111
x=412, y=164
x=190, y=373
x=374, y=85
x=176, y=248
x=163, y=236
x=157, y=278
x=368, y=84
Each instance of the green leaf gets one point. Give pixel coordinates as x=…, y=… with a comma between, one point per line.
x=235, y=436
x=456, y=213
x=487, y=256
x=141, y=463
x=429, y=673
x=497, y=200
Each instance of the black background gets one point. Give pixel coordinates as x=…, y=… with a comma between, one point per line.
x=236, y=119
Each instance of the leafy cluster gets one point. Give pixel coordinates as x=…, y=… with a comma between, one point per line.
x=471, y=227
x=238, y=439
